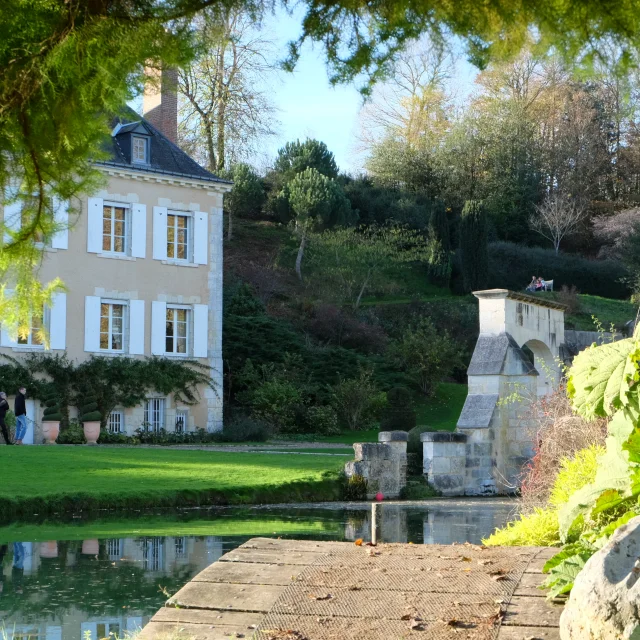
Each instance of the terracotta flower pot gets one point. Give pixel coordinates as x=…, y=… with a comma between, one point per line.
x=49, y=549
x=91, y=432
x=90, y=547
x=50, y=431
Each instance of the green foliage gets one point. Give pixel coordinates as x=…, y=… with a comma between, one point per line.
x=350, y=262
x=512, y=265
x=73, y=434
x=52, y=411
x=354, y=488
x=473, y=246
x=418, y=490
x=248, y=196
x=563, y=573
x=425, y=354
x=317, y=201
x=279, y=403
x=296, y=157
x=322, y=420
x=575, y=473
x=538, y=528
x=399, y=413
x=439, y=244
x=244, y=303
x=358, y=401
x=88, y=409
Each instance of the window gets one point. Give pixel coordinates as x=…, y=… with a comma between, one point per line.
x=182, y=420
x=177, y=333
x=154, y=414
x=112, y=326
x=139, y=150
x=116, y=422
x=114, y=228
x=152, y=554
x=34, y=337
x=114, y=549
x=178, y=236
x=30, y=206
x=181, y=547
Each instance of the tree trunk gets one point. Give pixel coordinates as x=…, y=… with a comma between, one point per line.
x=229, y=226
x=211, y=152
x=364, y=286
x=303, y=242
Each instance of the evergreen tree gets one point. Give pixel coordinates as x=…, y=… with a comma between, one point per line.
x=473, y=246
x=439, y=243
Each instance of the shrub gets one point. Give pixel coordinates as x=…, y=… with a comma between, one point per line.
x=243, y=302
x=247, y=197
x=322, y=420
x=52, y=411
x=278, y=402
x=242, y=428
x=538, y=528
x=399, y=413
x=107, y=437
x=418, y=490
x=425, y=354
x=162, y=437
x=511, y=267
x=569, y=296
x=473, y=246
x=353, y=488
x=358, y=402
x=73, y=434
x=89, y=411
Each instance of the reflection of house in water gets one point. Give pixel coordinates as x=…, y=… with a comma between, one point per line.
x=158, y=557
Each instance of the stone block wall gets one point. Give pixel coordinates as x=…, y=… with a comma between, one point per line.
x=383, y=464
x=444, y=461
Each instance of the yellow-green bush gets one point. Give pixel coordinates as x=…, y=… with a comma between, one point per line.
x=540, y=527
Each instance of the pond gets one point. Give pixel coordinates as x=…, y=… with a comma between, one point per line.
x=64, y=580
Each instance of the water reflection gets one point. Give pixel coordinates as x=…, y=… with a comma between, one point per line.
x=64, y=588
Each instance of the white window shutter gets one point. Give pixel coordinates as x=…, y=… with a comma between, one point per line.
x=200, y=238
x=160, y=234
x=136, y=327
x=58, y=321
x=158, y=327
x=92, y=324
x=200, y=330
x=139, y=230
x=61, y=217
x=12, y=216
x=95, y=207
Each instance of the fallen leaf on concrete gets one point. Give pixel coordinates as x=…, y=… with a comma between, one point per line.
x=326, y=596
x=483, y=563
x=355, y=587
x=465, y=559
x=284, y=634
x=416, y=624
x=358, y=542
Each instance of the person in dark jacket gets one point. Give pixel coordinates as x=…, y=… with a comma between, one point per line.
x=21, y=414
x=4, y=407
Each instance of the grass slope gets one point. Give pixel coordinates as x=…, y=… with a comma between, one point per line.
x=606, y=310
x=41, y=480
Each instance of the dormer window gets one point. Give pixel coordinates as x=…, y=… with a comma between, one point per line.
x=139, y=150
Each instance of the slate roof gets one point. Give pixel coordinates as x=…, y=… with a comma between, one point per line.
x=477, y=411
x=490, y=354
x=166, y=157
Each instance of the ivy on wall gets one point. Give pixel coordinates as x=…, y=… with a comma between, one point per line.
x=121, y=381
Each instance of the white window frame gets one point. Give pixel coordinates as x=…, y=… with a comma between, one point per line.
x=145, y=146
x=152, y=554
x=116, y=418
x=29, y=344
x=189, y=249
x=125, y=316
x=149, y=410
x=189, y=336
x=114, y=548
x=180, y=547
x=127, y=229
x=184, y=415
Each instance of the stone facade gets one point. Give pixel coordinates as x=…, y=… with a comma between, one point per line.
x=444, y=461
x=383, y=464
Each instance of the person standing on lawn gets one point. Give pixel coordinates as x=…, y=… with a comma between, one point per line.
x=4, y=407
x=21, y=414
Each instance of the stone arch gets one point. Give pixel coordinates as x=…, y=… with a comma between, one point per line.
x=545, y=364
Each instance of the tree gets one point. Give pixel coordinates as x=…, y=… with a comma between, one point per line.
x=426, y=354
x=439, y=243
x=297, y=156
x=473, y=246
x=558, y=216
x=247, y=196
x=350, y=261
x=227, y=109
x=317, y=202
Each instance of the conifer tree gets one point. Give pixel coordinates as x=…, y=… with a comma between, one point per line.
x=439, y=244
x=473, y=246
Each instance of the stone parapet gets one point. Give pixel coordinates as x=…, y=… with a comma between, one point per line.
x=383, y=464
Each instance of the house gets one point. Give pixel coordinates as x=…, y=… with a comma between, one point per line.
x=142, y=264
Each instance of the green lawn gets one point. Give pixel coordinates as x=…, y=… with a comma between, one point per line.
x=47, y=480
x=606, y=310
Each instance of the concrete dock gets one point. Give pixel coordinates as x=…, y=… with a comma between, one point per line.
x=273, y=589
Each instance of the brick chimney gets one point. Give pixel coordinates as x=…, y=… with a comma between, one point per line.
x=160, y=102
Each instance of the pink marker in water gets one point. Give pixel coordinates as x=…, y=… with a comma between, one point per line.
x=379, y=496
